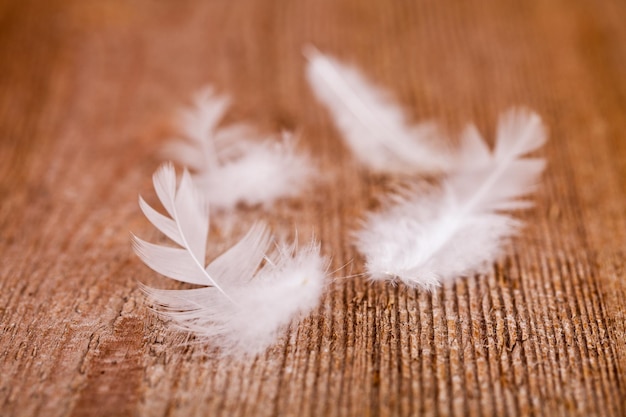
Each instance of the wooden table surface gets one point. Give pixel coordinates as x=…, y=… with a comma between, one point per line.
x=88, y=89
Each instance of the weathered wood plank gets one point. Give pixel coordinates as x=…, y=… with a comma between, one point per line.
x=87, y=90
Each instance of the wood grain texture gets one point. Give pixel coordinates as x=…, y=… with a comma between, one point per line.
x=87, y=92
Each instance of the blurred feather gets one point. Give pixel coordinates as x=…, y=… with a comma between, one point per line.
x=230, y=165
x=460, y=229
x=372, y=124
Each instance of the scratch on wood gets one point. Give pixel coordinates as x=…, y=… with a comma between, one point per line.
x=114, y=373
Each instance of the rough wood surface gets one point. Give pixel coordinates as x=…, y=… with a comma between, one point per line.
x=87, y=91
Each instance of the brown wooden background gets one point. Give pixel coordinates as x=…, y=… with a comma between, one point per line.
x=87, y=92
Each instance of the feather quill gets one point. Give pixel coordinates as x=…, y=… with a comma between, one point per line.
x=373, y=126
x=460, y=229
x=250, y=293
x=230, y=166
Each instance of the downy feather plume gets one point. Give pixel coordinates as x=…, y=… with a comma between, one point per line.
x=373, y=126
x=460, y=229
x=229, y=165
x=249, y=294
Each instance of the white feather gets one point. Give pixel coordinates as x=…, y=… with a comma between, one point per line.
x=373, y=126
x=230, y=165
x=460, y=229
x=250, y=294
x=257, y=173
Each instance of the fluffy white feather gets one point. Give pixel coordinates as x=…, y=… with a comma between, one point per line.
x=251, y=292
x=460, y=229
x=374, y=126
x=231, y=166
